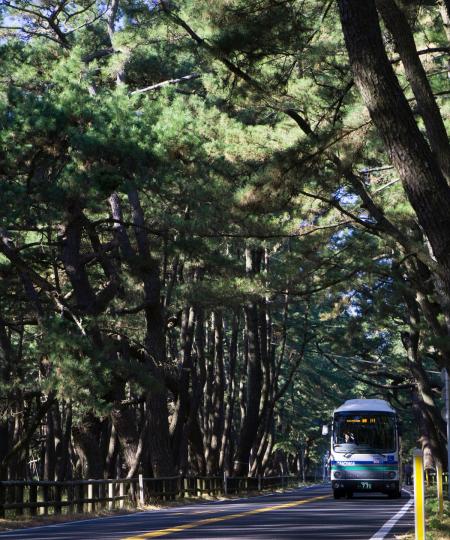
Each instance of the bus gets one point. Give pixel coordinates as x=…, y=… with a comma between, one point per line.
x=365, y=453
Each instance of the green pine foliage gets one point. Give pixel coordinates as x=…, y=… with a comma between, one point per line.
x=251, y=152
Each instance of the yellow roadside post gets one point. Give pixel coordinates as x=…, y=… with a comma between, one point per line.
x=419, y=494
x=440, y=491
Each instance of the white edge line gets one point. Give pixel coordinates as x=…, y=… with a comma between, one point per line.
x=390, y=524
x=24, y=530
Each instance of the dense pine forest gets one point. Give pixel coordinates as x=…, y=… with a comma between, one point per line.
x=218, y=220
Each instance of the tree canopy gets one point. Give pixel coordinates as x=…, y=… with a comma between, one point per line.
x=219, y=220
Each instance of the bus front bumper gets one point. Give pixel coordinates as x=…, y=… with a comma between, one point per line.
x=383, y=486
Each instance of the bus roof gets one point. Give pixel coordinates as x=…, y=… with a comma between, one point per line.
x=357, y=405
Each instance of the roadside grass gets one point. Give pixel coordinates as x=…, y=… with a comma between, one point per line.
x=437, y=527
x=21, y=522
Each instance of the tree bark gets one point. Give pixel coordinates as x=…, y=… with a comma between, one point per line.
x=217, y=398
x=431, y=425
x=397, y=24
x=224, y=462
x=86, y=437
x=125, y=427
x=146, y=267
x=50, y=455
x=66, y=431
x=444, y=6
x=178, y=426
x=422, y=179
x=195, y=427
x=249, y=426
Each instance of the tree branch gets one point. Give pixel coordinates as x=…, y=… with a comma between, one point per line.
x=157, y=86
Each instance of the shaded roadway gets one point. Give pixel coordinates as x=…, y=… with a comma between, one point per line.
x=306, y=513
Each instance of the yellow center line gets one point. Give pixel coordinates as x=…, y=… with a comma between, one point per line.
x=209, y=521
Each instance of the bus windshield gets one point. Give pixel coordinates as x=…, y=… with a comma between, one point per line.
x=364, y=432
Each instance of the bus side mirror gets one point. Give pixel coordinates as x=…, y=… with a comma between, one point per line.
x=325, y=430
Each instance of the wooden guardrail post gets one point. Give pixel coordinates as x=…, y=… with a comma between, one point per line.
x=141, y=490
x=110, y=495
x=132, y=491
x=33, y=499
x=41, y=495
x=58, y=498
x=45, y=497
x=80, y=496
x=101, y=495
x=2, y=500
x=70, y=490
x=19, y=499
x=90, y=506
x=121, y=495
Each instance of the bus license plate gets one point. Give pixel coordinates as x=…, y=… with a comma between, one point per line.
x=366, y=485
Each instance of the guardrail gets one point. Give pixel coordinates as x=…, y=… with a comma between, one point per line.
x=430, y=478
x=45, y=497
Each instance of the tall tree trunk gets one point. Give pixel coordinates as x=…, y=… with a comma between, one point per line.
x=112, y=454
x=249, y=426
x=224, y=461
x=195, y=429
x=208, y=415
x=124, y=421
x=50, y=455
x=178, y=426
x=397, y=24
x=423, y=181
x=86, y=438
x=269, y=446
x=432, y=432
x=5, y=362
x=142, y=262
x=217, y=398
x=444, y=6
x=66, y=431
x=4, y=436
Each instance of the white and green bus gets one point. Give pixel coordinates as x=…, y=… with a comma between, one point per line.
x=365, y=448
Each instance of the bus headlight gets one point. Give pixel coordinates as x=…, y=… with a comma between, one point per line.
x=337, y=474
x=392, y=474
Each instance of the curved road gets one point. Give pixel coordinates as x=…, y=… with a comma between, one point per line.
x=306, y=513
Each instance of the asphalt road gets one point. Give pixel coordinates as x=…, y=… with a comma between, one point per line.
x=304, y=513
